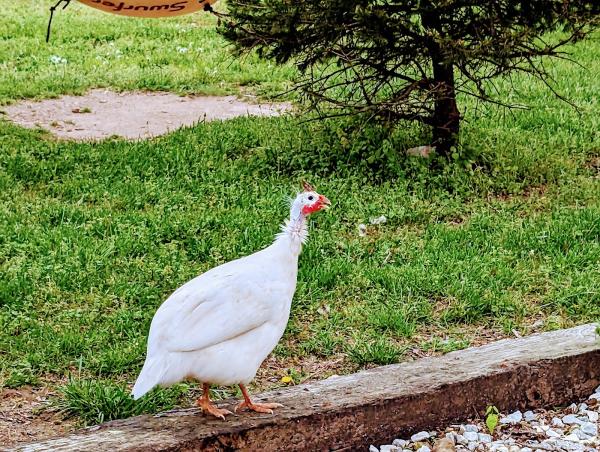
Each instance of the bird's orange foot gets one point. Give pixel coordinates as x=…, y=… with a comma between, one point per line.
x=258, y=407
x=208, y=407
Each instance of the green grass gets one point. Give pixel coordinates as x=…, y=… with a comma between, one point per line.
x=378, y=351
x=89, y=48
x=94, y=236
x=95, y=401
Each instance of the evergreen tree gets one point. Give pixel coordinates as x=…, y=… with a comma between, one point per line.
x=408, y=59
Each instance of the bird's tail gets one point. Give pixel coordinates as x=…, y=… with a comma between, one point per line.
x=149, y=377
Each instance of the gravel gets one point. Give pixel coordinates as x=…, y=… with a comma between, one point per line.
x=419, y=437
x=471, y=436
x=512, y=418
x=574, y=428
x=571, y=419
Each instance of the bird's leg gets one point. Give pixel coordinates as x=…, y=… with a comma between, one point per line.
x=207, y=406
x=258, y=407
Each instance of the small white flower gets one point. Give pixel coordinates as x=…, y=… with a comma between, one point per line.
x=378, y=220
x=182, y=49
x=55, y=59
x=362, y=230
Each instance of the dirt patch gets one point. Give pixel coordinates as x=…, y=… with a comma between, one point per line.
x=593, y=163
x=23, y=418
x=303, y=370
x=103, y=113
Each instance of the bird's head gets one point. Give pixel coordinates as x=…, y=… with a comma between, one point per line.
x=309, y=201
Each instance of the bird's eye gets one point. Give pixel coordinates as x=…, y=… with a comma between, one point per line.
x=311, y=197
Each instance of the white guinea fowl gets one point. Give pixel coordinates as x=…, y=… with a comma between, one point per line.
x=219, y=327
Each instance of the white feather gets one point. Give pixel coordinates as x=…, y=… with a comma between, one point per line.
x=220, y=326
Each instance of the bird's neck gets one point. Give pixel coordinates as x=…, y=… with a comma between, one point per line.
x=294, y=232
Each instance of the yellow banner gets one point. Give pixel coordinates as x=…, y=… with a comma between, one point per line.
x=148, y=8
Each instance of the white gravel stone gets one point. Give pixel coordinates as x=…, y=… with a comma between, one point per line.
x=582, y=407
x=459, y=439
x=421, y=436
x=581, y=434
x=471, y=436
x=423, y=449
x=560, y=444
x=589, y=428
x=514, y=449
x=540, y=429
x=498, y=446
x=592, y=415
x=500, y=449
x=399, y=442
x=573, y=408
x=529, y=416
x=451, y=436
x=572, y=437
x=526, y=449
x=571, y=419
x=469, y=428
x=552, y=434
x=389, y=448
x=557, y=422
x=512, y=418
x=485, y=438
x=595, y=396
x=373, y=449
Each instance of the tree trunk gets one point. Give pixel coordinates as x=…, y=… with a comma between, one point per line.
x=446, y=117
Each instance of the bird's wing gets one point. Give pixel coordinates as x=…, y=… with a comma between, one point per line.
x=199, y=317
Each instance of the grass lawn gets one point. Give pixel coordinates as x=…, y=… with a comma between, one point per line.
x=94, y=236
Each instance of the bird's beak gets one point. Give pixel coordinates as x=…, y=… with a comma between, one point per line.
x=324, y=201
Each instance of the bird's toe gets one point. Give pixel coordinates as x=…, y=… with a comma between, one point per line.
x=217, y=412
x=258, y=407
x=207, y=407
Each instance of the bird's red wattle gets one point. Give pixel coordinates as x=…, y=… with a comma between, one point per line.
x=318, y=205
x=306, y=210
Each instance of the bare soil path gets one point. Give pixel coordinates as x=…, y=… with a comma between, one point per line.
x=103, y=113
x=24, y=419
